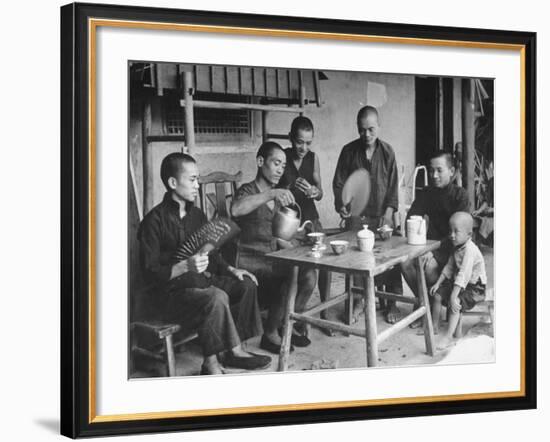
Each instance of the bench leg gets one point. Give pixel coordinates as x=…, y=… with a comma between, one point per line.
x=170, y=356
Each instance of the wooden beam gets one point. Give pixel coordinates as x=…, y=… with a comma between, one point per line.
x=331, y=325
x=326, y=304
x=243, y=106
x=166, y=137
x=468, y=138
x=277, y=136
x=400, y=325
x=397, y=298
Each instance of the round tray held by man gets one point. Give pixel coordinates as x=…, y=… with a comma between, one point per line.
x=356, y=192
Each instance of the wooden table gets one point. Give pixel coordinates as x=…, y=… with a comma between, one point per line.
x=365, y=265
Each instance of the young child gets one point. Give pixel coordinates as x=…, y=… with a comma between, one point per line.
x=462, y=282
x=437, y=203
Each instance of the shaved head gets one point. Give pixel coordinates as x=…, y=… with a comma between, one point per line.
x=463, y=220
x=366, y=111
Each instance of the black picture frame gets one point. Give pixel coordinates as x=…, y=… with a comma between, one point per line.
x=77, y=406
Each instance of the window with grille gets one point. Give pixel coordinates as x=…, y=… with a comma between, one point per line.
x=212, y=124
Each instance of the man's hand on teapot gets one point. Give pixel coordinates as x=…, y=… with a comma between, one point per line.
x=283, y=196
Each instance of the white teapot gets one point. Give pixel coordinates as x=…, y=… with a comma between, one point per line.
x=416, y=230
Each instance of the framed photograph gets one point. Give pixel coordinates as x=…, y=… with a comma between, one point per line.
x=273, y=220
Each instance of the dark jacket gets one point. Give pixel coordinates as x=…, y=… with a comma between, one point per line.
x=383, y=172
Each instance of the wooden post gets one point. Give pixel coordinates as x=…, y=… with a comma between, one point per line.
x=457, y=110
x=147, y=151
x=440, y=115
x=302, y=96
x=468, y=138
x=189, y=119
x=264, y=126
x=370, y=321
x=317, y=87
x=135, y=187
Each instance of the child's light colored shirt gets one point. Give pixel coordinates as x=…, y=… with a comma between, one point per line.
x=466, y=265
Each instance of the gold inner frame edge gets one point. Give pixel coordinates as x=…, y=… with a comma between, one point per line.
x=93, y=24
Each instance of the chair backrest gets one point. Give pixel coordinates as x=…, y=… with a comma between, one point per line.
x=217, y=203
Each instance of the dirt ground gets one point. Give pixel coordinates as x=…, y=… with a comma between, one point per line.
x=340, y=352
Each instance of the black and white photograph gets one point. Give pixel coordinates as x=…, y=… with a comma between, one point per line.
x=285, y=219
x=270, y=221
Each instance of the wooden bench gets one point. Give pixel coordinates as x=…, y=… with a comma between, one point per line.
x=487, y=307
x=155, y=340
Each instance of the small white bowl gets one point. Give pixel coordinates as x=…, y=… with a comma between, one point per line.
x=339, y=246
x=385, y=232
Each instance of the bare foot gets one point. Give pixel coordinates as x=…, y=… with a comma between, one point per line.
x=392, y=314
x=416, y=324
x=445, y=343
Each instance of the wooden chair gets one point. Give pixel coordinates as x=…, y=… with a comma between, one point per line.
x=217, y=203
x=225, y=187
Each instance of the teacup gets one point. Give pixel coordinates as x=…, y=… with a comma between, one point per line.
x=339, y=246
x=316, y=238
x=385, y=232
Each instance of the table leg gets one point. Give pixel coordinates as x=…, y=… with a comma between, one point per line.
x=324, y=284
x=370, y=321
x=325, y=280
x=424, y=300
x=288, y=323
x=349, y=301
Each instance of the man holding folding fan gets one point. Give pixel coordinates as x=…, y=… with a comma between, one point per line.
x=201, y=292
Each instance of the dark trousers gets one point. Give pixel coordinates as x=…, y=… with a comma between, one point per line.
x=223, y=313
